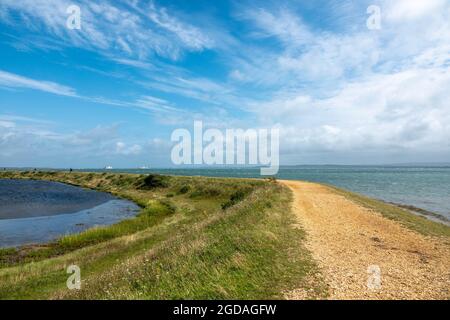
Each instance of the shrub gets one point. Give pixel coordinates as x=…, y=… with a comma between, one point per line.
x=235, y=198
x=153, y=181
x=184, y=190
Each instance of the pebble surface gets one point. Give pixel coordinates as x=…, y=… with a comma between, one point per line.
x=363, y=255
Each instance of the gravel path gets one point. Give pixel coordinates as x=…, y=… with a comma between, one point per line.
x=352, y=245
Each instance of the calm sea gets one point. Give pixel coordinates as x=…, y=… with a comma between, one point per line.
x=423, y=187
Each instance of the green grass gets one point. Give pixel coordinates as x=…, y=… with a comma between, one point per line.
x=195, y=238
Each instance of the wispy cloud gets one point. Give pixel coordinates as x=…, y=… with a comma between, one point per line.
x=304, y=56
x=130, y=34
x=191, y=36
x=15, y=118
x=331, y=84
x=156, y=104
x=135, y=63
x=407, y=10
x=11, y=80
x=281, y=24
x=110, y=27
x=149, y=103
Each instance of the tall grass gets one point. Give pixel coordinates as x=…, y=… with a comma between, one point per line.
x=188, y=246
x=148, y=191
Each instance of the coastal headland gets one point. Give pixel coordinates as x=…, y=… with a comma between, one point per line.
x=227, y=238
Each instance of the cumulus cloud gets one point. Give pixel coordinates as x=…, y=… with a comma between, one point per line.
x=20, y=137
x=358, y=91
x=124, y=149
x=402, y=111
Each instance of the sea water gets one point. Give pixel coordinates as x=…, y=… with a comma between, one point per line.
x=425, y=187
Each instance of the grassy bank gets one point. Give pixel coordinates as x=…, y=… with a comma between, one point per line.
x=194, y=238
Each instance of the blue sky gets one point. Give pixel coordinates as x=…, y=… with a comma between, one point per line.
x=112, y=92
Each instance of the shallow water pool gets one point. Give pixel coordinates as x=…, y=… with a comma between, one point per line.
x=33, y=212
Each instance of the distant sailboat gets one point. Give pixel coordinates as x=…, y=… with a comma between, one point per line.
x=143, y=167
x=108, y=168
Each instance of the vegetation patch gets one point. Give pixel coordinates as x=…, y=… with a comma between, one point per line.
x=184, y=189
x=235, y=198
x=181, y=247
x=206, y=192
x=153, y=181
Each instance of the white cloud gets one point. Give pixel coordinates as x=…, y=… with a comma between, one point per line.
x=155, y=104
x=124, y=149
x=408, y=110
x=23, y=136
x=109, y=27
x=311, y=57
x=282, y=24
x=134, y=63
x=329, y=91
x=306, y=55
x=237, y=75
x=198, y=88
x=11, y=80
x=404, y=10
x=191, y=36
x=359, y=92
x=7, y=124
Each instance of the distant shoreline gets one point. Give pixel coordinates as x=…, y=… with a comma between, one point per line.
x=225, y=167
